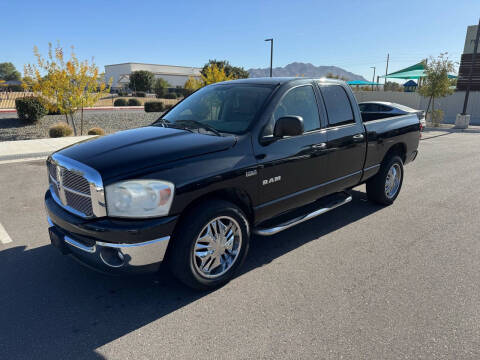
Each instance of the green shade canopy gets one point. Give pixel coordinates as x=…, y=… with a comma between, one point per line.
x=416, y=71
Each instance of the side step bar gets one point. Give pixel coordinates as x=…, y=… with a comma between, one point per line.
x=288, y=224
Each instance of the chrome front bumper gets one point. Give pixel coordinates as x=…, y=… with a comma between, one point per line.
x=111, y=257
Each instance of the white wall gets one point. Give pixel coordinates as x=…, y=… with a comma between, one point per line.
x=451, y=105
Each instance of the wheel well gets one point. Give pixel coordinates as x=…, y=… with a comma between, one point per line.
x=398, y=149
x=236, y=196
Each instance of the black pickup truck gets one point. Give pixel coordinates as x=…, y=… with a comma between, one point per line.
x=253, y=156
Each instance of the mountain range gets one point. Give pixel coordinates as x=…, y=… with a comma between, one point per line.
x=305, y=70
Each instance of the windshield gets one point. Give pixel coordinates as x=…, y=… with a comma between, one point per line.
x=229, y=108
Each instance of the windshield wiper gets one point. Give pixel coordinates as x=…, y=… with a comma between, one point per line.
x=162, y=121
x=198, y=124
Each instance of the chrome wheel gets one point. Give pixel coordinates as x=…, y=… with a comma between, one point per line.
x=217, y=247
x=392, y=182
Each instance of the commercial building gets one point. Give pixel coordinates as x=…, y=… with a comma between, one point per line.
x=175, y=75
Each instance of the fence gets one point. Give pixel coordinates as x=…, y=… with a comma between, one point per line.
x=451, y=105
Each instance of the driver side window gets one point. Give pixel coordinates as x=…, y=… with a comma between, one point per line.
x=299, y=101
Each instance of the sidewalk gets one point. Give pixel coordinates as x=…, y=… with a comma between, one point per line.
x=26, y=149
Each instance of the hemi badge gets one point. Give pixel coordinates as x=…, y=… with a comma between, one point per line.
x=251, y=173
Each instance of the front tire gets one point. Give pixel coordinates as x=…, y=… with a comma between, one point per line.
x=385, y=186
x=210, y=245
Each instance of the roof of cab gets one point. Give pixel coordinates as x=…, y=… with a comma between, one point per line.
x=280, y=80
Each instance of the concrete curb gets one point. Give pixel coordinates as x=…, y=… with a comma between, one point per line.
x=100, y=108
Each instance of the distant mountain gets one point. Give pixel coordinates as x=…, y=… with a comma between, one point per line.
x=306, y=70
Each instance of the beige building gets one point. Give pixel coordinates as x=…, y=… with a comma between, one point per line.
x=175, y=75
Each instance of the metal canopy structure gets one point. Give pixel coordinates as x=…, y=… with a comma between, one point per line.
x=362, y=83
x=416, y=71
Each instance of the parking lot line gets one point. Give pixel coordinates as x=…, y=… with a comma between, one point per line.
x=4, y=238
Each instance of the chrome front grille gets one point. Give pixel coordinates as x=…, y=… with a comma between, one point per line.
x=76, y=187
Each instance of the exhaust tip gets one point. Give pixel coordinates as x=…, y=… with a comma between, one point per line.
x=112, y=257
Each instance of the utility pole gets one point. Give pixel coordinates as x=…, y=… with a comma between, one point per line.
x=470, y=73
x=373, y=79
x=271, y=55
x=386, y=72
x=378, y=81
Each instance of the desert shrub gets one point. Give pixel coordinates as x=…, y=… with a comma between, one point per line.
x=30, y=108
x=60, y=130
x=170, y=96
x=133, y=102
x=140, y=94
x=96, y=131
x=153, y=106
x=120, y=102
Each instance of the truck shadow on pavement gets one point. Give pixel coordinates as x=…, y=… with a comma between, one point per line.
x=53, y=308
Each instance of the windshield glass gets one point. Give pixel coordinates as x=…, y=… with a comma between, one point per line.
x=228, y=108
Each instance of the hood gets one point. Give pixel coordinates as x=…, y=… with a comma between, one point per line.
x=137, y=149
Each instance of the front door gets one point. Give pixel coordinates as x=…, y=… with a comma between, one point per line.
x=292, y=168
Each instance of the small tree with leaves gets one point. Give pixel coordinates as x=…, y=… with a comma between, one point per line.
x=141, y=80
x=65, y=85
x=213, y=74
x=436, y=83
x=233, y=72
x=160, y=87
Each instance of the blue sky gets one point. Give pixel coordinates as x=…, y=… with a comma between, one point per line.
x=351, y=34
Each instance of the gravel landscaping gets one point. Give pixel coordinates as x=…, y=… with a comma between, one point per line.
x=11, y=128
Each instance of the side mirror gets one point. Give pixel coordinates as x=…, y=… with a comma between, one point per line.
x=288, y=126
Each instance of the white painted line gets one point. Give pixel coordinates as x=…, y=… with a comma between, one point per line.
x=4, y=238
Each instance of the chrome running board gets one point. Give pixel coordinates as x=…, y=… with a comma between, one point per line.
x=288, y=224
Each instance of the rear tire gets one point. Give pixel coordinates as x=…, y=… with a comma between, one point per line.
x=385, y=186
x=210, y=245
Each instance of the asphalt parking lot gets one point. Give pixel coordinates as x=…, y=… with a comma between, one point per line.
x=360, y=282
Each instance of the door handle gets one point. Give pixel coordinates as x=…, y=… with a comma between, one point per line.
x=320, y=146
x=358, y=137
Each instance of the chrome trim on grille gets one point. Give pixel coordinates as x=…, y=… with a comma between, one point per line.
x=76, y=173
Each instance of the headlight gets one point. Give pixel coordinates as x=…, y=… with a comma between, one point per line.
x=139, y=198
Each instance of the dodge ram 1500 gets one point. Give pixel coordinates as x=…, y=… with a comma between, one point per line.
x=243, y=157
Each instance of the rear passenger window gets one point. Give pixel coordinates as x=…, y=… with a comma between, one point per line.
x=338, y=105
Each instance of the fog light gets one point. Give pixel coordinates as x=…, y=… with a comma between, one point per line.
x=112, y=257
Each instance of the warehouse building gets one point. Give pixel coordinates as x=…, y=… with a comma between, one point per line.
x=175, y=75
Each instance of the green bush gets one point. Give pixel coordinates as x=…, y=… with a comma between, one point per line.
x=170, y=96
x=140, y=94
x=30, y=108
x=120, y=102
x=153, y=106
x=60, y=130
x=168, y=107
x=133, y=102
x=96, y=131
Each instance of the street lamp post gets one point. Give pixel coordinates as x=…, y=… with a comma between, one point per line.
x=373, y=79
x=271, y=54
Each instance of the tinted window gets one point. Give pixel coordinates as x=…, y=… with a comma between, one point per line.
x=384, y=108
x=227, y=108
x=300, y=101
x=338, y=105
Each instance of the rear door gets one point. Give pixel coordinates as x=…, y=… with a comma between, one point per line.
x=346, y=140
x=291, y=168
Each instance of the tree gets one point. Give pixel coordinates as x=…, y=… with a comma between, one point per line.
x=8, y=72
x=160, y=87
x=335, y=76
x=65, y=86
x=436, y=83
x=193, y=84
x=141, y=80
x=232, y=72
x=214, y=74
